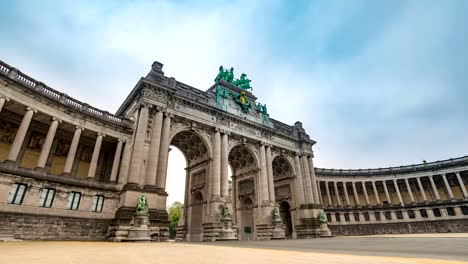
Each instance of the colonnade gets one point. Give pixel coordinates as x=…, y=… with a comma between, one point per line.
x=306, y=181
x=395, y=183
x=20, y=137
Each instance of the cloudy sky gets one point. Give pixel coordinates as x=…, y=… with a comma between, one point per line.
x=375, y=83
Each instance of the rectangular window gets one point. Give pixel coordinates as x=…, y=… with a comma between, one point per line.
x=73, y=200
x=98, y=203
x=16, y=194
x=377, y=216
x=47, y=197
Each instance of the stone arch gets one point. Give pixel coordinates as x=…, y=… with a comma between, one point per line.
x=205, y=138
x=242, y=158
x=282, y=167
x=192, y=144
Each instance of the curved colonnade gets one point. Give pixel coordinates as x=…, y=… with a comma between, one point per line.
x=428, y=197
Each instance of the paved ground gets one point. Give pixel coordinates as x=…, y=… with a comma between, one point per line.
x=318, y=251
x=448, y=247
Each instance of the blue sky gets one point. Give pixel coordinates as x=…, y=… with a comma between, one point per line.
x=375, y=83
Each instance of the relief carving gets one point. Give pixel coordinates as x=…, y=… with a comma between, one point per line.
x=7, y=132
x=62, y=147
x=36, y=141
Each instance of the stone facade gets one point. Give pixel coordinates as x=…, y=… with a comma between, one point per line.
x=71, y=171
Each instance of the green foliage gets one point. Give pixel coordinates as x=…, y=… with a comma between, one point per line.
x=175, y=212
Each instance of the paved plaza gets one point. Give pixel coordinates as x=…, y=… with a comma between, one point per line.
x=434, y=250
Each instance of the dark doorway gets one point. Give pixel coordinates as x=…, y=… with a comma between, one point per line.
x=286, y=217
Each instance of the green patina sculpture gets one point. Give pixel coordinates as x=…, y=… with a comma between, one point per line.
x=239, y=98
x=322, y=217
x=142, y=206
x=276, y=215
x=243, y=82
x=242, y=101
x=226, y=213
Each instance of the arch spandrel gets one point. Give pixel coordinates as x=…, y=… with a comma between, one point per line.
x=243, y=158
x=282, y=167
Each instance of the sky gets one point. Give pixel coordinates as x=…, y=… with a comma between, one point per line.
x=375, y=83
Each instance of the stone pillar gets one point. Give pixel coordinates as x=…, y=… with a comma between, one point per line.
x=421, y=189
x=271, y=182
x=95, y=158
x=224, y=165
x=20, y=134
x=136, y=163
x=400, y=199
x=308, y=184
x=409, y=190
x=299, y=182
x=164, y=153
x=384, y=183
x=313, y=179
x=125, y=163
x=337, y=194
x=447, y=186
x=364, y=190
x=116, y=162
x=319, y=189
x=3, y=100
x=48, y=143
x=216, y=171
x=72, y=150
x=434, y=188
x=462, y=185
x=345, y=190
x=263, y=174
x=376, y=194
x=330, y=203
x=356, y=196
x=153, y=155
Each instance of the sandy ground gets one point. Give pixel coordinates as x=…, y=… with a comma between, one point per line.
x=135, y=253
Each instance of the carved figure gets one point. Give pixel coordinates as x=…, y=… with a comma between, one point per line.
x=230, y=75
x=276, y=215
x=142, y=206
x=217, y=93
x=243, y=82
x=221, y=74
x=322, y=217
x=226, y=213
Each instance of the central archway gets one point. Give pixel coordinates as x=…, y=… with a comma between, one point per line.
x=244, y=167
x=196, y=152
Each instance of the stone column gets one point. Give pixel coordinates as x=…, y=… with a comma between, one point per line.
x=447, y=186
x=345, y=190
x=376, y=194
x=434, y=188
x=116, y=162
x=271, y=182
x=136, y=163
x=384, y=183
x=313, y=179
x=263, y=174
x=356, y=196
x=409, y=190
x=330, y=203
x=308, y=184
x=421, y=189
x=72, y=150
x=216, y=171
x=20, y=134
x=125, y=163
x=164, y=153
x=224, y=165
x=337, y=194
x=462, y=185
x=299, y=182
x=319, y=189
x=400, y=199
x=3, y=100
x=48, y=143
x=364, y=190
x=95, y=157
x=153, y=155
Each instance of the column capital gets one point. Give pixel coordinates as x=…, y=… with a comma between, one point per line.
x=123, y=140
x=29, y=108
x=217, y=130
x=144, y=105
x=297, y=153
x=79, y=127
x=444, y=174
x=56, y=119
x=4, y=97
x=168, y=115
x=457, y=173
x=101, y=134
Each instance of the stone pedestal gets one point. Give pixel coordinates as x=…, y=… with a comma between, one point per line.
x=227, y=233
x=324, y=230
x=139, y=232
x=278, y=230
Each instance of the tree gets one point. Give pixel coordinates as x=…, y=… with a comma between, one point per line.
x=175, y=212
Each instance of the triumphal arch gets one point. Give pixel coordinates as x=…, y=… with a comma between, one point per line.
x=92, y=167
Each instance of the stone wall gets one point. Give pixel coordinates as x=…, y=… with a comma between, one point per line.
x=441, y=226
x=41, y=227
